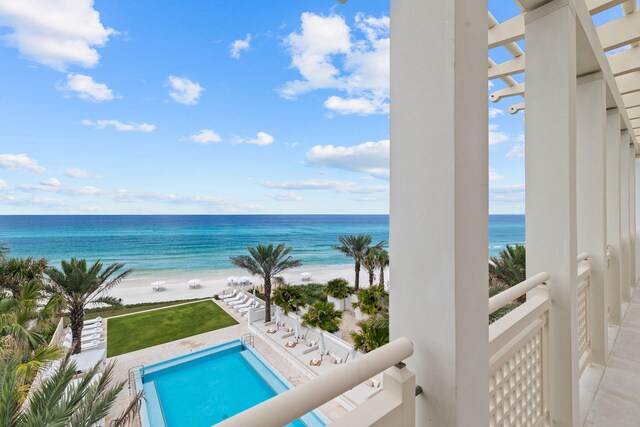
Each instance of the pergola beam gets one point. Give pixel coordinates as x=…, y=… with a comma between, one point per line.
x=634, y=113
x=597, y=6
x=628, y=83
x=625, y=62
x=507, y=32
x=620, y=32
x=631, y=99
x=507, y=92
x=508, y=68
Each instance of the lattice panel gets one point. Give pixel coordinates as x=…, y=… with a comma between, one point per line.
x=583, y=318
x=515, y=388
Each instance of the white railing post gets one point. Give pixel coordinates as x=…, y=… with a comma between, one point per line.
x=632, y=216
x=613, y=213
x=625, y=232
x=550, y=133
x=591, y=210
x=439, y=203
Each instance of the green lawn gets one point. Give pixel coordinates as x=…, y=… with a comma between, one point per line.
x=130, y=333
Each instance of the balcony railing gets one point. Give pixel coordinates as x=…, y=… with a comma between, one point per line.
x=519, y=356
x=584, y=301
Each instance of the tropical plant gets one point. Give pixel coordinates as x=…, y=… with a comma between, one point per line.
x=372, y=300
x=267, y=261
x=493, y=291
x=373, y=333
x=17, y=272
x=4, y=252
x=356, y=246
x=80, y=285
x=338, y=288
x=323, y=315
x=370, y=263
x=313, y=292
x=509, y=267
x=382, y=256
x=60, y=400
x=289, y=298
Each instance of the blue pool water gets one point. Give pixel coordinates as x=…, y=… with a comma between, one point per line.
x=205, y=387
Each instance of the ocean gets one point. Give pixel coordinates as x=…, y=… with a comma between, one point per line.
x=152, y=244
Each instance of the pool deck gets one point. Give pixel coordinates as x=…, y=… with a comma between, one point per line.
x=154, y=354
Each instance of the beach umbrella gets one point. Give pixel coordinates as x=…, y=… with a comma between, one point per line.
x=157, y=284
x=254, y=294
x=298, y=327
x=277, y=316
x=321, y=343
x=232, y=280
x=195, y=283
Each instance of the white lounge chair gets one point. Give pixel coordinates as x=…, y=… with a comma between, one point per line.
x=90, y=330
x=90, y=337
x=244, y=305
x=236, y=298
x=240, y=302
x=248, y=307
x=232, y=295
x=92, y=321
x=85, y=346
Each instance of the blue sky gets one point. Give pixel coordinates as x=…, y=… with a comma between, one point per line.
x=209, y=107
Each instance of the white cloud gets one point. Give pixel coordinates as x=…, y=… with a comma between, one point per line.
x=56, y=33
x=517, y=152
x=239, y=45
x=289, y=196
x=20, y=161
x=184, y=91
x=496, y=137
x=77, y=173
x=328, y=184
x=262, y=139
x=328, y=56
x=84, y=87
x=493, y=176
x=3, y=184
x=369, y=157
x=51, y=182
x=120, y=126
x=360, y=106
x=495, y=112
x=206, y=136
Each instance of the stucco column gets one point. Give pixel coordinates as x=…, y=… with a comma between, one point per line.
x=613, y=213
x=625, y=278
x=550, y=171
x=591, y=209
x=632, y=217
x=439, y=197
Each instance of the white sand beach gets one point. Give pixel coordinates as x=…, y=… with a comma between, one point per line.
x=138, y=289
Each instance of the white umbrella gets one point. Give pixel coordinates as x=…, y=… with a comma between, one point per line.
x=245, y=280
x=321, y=343
x=277, y=316
x=232, y=280
x=298, y=327
x=157, y=284
x=194, y=283
x=254, y=294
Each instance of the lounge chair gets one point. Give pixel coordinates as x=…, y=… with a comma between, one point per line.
x=92, y=321
x=240, y=302
x=88, y=330
x=245, y=305
x=89, y=337
x=248, y=307
x=229, y=297
x=85, y=346
x=239, y=297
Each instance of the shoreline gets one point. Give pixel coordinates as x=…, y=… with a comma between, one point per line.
x=137, y=289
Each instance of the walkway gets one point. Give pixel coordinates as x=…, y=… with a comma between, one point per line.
x=617, y=399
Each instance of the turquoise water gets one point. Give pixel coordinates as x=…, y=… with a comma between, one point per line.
x=205, y=389
x=164, y=243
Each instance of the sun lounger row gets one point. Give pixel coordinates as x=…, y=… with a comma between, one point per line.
x=88, y=345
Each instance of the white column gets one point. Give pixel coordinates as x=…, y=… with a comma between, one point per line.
x=550, y=171
x=439, y=197
x=632, y=216
x=613, y=213
x=625, y=279
x=591, y=211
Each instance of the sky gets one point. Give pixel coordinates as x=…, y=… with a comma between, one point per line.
x=257, y=107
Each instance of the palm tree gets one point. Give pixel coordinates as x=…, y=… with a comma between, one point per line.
x=337, y=288
x=370, y=263
x=80, y=285
x=16, y=272
x=372, y=300
x=289, y=298
x=60, y=400
x=509, y=267
x=266, y=262
x=382, y=256
x=355, y=246
x=323, y=315
x=373, y=333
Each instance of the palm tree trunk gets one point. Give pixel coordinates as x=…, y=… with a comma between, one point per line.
x=382, y=276
x=267, y=299
x=357, y=285
x=372, y=276
x=77, y=321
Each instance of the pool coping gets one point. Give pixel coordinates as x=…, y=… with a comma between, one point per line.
x=159, y=366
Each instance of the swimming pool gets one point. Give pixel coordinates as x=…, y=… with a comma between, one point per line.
x=203, y=388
